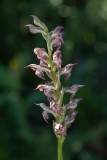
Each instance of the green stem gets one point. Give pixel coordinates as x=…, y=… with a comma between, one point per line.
x=57, y=85
x=50, y=58
x=60, y=156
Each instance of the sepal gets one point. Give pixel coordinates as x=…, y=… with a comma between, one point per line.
x=34, y=29
x=73, y=103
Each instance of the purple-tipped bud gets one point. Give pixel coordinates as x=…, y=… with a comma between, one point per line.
x=60, y=129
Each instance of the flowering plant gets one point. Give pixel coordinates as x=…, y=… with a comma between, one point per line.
x=64, y=114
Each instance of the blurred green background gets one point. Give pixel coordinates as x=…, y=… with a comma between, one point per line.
x=23, y=133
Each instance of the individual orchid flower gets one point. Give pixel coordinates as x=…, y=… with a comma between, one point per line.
x=55, y=107
x=60, y=129
x=46, y=111
x=51, y=64
x=56, y=37
x=48, y=89
x=46, y=86
x=34, y=29
x=69, y=119
x=67, y=70
x=73, y=89
x=57, y=59
x=73, y=103
x=39, y=70
x=42, y=55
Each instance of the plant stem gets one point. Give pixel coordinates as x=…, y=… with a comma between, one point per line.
x=60, y=156
x=57, y=85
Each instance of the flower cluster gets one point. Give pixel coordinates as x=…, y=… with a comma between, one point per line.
x=51, y=65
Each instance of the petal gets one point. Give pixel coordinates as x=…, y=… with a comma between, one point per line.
x=35, y=66
x=73, y=89
x=43, y=106
x=39, y=70
x=67, y=68
x=34, y=29
x=56, y=31
x=73, y=104
x=41, y=87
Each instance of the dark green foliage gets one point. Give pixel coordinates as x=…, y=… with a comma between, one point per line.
x=23, y=133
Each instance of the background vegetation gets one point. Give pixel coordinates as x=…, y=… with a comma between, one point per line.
x=23, y=133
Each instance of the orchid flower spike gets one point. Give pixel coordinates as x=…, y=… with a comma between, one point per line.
x=51, y=65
